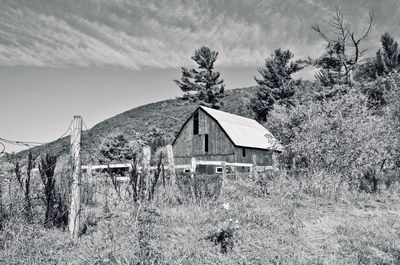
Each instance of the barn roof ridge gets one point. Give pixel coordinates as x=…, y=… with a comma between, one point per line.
x=225, y=113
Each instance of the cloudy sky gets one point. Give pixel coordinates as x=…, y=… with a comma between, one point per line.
x=98, y=58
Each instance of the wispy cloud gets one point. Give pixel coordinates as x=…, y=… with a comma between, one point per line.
x=163, y=34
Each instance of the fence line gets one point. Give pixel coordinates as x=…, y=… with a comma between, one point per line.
x=200, y=162
x=129, y=166
x=219, y=163
x=189, y=167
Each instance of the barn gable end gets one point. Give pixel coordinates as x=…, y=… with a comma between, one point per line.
x=221, y=136
x=187, y=144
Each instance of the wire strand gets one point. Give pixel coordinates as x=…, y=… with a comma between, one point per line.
x=4, y=148
x=90, y=136
x=30, y=144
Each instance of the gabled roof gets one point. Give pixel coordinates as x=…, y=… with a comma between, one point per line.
x=244, y=132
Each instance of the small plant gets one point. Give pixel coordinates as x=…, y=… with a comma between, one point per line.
x=89, y=223
x=224, y=237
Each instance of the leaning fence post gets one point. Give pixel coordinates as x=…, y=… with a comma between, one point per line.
x=171, y=163
x=75, y=205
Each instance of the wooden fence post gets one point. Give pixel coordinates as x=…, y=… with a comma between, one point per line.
x=146, y=166
x=275, y=162
x=223, y=164
x=171, y=164
x=193, y=167
x=89, y=171
x=254, y=170
x=75, y=207
x=192, y=174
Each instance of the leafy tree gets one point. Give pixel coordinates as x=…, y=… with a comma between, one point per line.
x=117, y=149
x=276, y=84
x=156, y=138
x=343, y=50
x=206, y=84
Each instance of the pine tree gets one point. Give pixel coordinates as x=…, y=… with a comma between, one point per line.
x=391, y=53
x=379, y=65
x=331, y=72
x=276, y=84
x=205, y=82
x=263, y=103
x=386, y=61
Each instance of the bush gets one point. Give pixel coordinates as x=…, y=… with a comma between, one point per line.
x=380, y=91
x=338, y=138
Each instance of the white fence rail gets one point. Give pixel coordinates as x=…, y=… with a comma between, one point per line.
x=129, y=166
x=219, y=163
x=188, y=167
x=199, y=162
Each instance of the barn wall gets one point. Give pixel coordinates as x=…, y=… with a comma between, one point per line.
x=264, y=157
x=220, y=148
x=187, y=145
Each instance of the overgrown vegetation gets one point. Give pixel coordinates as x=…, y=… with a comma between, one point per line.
x=334, y=200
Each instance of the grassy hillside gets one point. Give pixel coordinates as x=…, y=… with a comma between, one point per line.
x=168, y=115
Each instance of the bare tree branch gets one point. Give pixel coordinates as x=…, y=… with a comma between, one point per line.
x=341, y=39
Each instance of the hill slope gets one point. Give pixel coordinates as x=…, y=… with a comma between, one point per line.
x=168, y=116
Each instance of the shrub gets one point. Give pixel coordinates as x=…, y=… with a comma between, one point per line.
x=338, y=137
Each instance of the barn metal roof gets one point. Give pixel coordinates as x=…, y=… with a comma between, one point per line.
x=243, y=131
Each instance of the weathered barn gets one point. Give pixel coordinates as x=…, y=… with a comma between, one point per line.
x=213, y=135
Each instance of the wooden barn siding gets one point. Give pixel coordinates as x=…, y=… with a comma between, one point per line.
x=264, y=157
x=220, y=148
x=187, y=145
x=188, y=160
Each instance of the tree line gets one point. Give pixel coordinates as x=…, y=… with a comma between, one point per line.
x=340, y=67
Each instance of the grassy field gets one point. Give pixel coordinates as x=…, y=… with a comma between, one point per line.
x=277, y=225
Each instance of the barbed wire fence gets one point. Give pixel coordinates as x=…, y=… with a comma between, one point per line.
x=81, y=184
x=135, y=180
